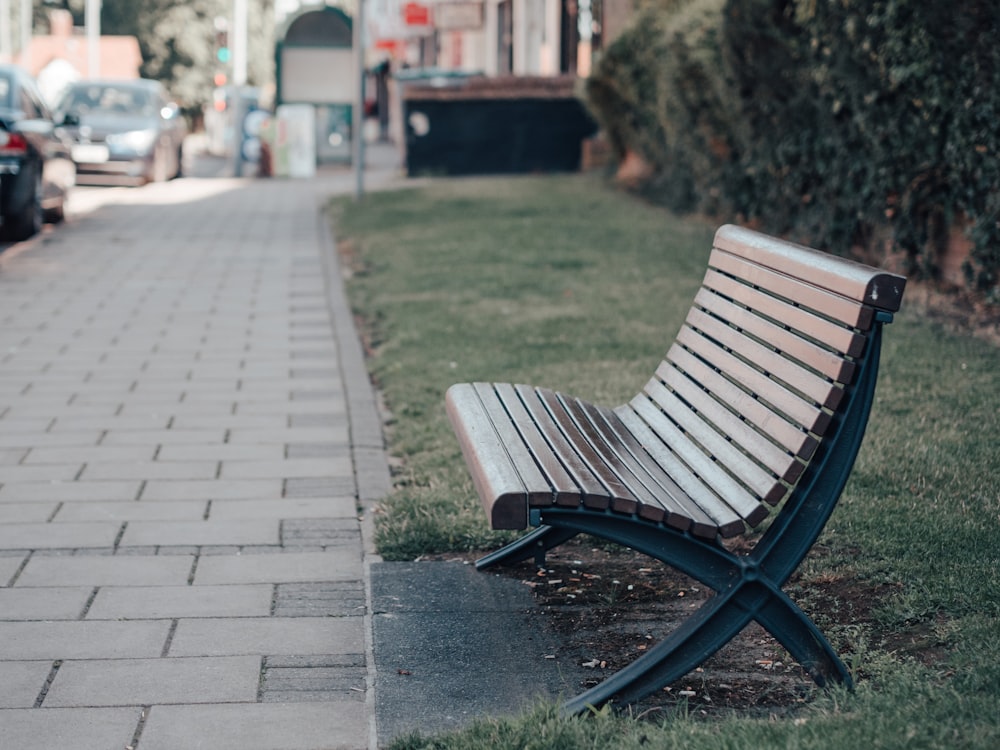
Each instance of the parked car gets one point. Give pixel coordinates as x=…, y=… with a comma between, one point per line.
x=125, y=131
x=36, y=172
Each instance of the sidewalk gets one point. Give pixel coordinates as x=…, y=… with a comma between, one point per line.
x=188, y=446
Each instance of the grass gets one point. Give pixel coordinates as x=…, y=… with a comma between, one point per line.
x=559, y=281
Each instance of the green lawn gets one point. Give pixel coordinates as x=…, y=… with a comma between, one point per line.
x=560, y=281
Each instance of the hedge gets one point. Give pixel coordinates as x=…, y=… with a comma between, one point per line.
x=826, y=120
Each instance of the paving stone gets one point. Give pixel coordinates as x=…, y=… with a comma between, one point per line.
x=320, y=487
x=151, y=470
x=323, y=599
x=20, y=684
x=164, y=602
x=26, y=512
x=214, y=489
x=42, y=438
x=286, y=507
x=84, y=454
x=339, y=564
x=76, y=728
x=51, y=603
x=270, y=635
x=320, y=532
x=296, y=467
x=9, y=566
x=58, y=535
x=139, y=682
x=222, y=452
x=106, y=571
x=177, y=510
x=47, y=473
x=261, y=726
x=69, y=492
x=82, y=639
x=337, y=433
x=201, y=532
x=207, y=436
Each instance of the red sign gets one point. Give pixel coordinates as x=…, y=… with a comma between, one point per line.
x=415, y=14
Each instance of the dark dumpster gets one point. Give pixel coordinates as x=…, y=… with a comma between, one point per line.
x=501, y=125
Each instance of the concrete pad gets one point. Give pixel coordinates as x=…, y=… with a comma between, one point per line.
x=221, y=452
x=77, y=728
x=55, y=603
x=167, y=533
x=82, y=640
x=150, y=470
x=342, y=564
x=20, y=683
x=470, y=644
x=271, y=635
x=107, y=571
x=165, y=602
x=58, y=535
x=140, y=682
x=257, y=726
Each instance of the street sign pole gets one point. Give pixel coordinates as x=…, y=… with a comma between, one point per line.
x=358, y=115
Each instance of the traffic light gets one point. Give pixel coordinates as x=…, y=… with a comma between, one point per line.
x=222, y=53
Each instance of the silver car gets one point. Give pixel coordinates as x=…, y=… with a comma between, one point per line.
x=123, y=131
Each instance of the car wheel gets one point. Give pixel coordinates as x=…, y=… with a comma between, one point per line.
x=28, y=223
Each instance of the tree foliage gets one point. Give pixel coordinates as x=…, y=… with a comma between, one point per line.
x=177, y=40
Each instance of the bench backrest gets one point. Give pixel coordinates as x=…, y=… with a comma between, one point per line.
x=755, y=377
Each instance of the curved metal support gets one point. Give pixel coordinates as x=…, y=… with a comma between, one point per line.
x=748, y=586
x=534, y=544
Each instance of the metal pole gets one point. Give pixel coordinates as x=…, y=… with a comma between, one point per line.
x=239, y=42
x=92, y=19
x=26, y=11
x=6, y=42
x=358, y=116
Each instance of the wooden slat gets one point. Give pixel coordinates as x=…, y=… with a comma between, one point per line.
x=595, y=461
x=811, y=417
x=787, y=342
x=818, y=390
x=837, y=337
x=723, y=454
x=727, y=521
x=680, y=511
x=593, y=493
x=826, y=303
x=778, y=461
x=565, y=490
x=500, y=486
x=791, y=436
x=714, y=478
x=870, y=286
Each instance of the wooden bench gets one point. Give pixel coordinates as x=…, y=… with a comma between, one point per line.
x=761, y=401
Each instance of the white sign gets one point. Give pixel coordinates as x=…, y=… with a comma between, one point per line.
x=458, y=16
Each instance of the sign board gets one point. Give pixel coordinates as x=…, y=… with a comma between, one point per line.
x=317, y=75
x=458, y=16
x=416, y=14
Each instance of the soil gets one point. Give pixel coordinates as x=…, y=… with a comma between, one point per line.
x=609, y=605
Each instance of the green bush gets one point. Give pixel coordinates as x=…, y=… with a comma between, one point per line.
x=826, y=120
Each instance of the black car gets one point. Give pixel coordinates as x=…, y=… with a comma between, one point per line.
x=36, y=171
x=123, y=131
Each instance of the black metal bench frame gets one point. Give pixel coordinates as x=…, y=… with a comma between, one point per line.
x=747, y=586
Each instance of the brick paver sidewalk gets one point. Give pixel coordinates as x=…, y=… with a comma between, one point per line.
x=181, y=557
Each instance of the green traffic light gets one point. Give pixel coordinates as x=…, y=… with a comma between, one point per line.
x=223, y=54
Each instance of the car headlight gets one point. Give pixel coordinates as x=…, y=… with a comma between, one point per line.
x=139, y=141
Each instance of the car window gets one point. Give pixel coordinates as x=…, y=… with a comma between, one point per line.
x=108, y=100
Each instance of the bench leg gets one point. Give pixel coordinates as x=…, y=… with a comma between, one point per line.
x=534, y=544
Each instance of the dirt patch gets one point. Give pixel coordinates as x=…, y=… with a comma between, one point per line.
x=608, y=606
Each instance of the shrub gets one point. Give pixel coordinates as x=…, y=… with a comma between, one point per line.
x=825, y=120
